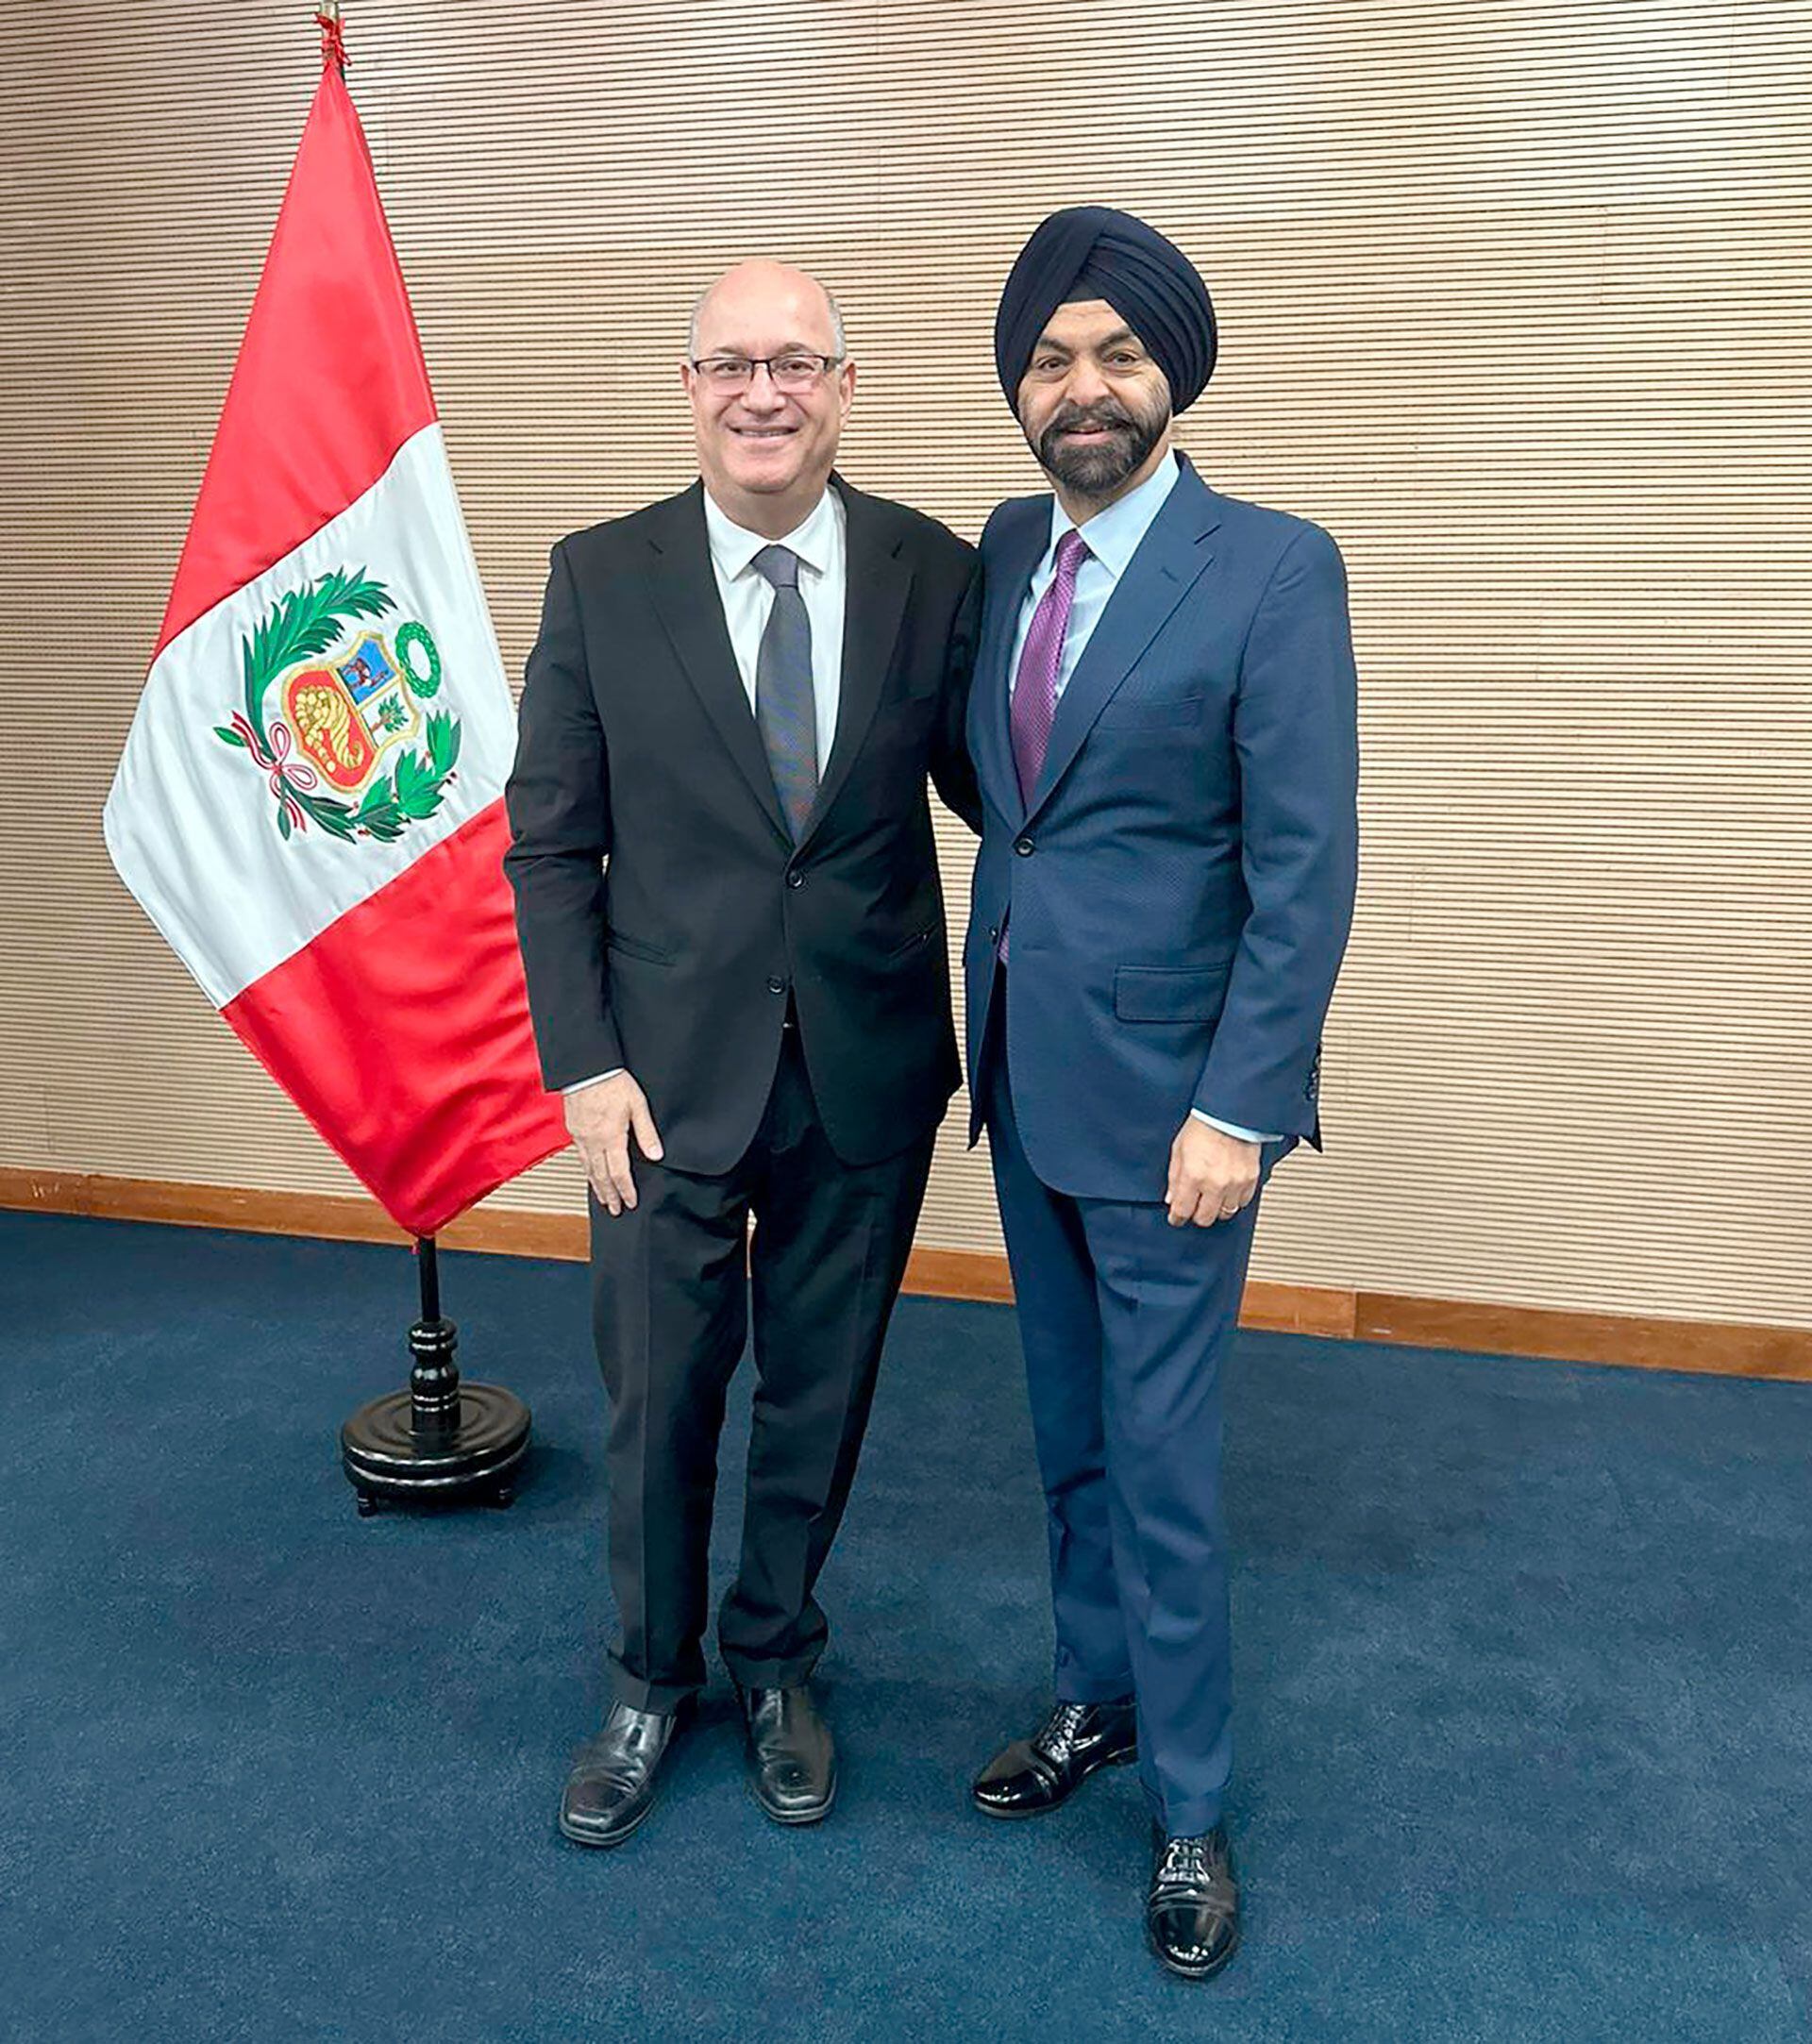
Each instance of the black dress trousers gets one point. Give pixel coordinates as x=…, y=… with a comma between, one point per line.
x=673, y=1295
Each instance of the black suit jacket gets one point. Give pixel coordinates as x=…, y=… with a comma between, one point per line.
x=664, y=914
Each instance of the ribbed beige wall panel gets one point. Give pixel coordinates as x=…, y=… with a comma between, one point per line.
x=1516, y=298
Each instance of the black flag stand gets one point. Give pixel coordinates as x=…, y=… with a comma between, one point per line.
x=440, y=1441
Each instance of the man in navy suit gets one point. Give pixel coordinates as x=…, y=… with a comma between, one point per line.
x=1163, y=722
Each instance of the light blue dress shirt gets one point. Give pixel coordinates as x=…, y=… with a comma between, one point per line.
x=1112, y=538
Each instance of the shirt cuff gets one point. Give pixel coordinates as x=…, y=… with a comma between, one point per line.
x=597, y=1078
x=1228, y=1128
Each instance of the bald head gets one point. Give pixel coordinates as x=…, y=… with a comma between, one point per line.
x=758, y=291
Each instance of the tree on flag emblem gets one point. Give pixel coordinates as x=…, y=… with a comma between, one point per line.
x=337, y=717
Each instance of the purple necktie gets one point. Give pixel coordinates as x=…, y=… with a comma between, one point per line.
x=1034, y=693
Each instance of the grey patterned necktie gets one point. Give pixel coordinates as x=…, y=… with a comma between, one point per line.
x=785, y=708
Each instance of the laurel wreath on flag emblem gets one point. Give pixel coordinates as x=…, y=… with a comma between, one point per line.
x=345, y=713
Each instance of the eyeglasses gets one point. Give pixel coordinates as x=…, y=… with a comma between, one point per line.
x=794, y=372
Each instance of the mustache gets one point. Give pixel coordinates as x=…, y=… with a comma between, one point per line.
x=1072, y=417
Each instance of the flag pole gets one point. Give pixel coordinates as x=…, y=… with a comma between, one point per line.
x=442, y=1441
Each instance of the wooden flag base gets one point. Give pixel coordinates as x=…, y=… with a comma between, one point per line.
x=441, y=1441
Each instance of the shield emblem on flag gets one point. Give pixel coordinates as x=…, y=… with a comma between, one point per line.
x=345, y=715
x=329, y=728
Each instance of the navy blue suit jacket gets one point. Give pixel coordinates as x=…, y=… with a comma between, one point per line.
x=1181, y=888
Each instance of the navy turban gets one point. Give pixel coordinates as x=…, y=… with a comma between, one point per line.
x=1095, y=252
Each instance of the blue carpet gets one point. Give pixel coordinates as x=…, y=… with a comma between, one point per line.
x=1525, y=1708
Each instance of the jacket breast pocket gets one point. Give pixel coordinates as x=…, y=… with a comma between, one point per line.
x=1170, y=993
x=1151, y=712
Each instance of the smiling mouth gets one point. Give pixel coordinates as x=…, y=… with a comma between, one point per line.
x=763, y=432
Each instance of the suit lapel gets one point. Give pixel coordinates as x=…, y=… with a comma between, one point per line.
x=684, y=591
x=875, y=583
x=1166, y=565
x=1008, y=571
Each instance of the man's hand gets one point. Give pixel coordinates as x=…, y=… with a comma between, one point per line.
x=1212, y=1176
x=599, y=1119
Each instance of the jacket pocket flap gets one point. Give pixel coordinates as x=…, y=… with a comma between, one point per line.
x=920, y=941
x=1151, y=712
x=634, y=947
x=1170, y=993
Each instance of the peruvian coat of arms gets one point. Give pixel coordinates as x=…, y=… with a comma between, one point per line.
x=346, y=712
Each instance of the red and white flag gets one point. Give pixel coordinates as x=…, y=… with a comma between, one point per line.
x=309, y=805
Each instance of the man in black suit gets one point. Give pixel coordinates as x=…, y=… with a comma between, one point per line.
x=729, y=904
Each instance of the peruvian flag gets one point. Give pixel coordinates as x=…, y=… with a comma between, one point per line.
x=309, y=805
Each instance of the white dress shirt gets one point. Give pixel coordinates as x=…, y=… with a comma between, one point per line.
x=747, y=598
x=1113, y=537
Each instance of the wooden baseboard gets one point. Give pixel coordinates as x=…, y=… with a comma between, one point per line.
x=959, y=1274
x=1727, y=1348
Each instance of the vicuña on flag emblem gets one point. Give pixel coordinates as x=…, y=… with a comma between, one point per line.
x=334, y=723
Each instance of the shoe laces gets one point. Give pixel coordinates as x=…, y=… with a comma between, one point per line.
x=1186, y=1863
x=1058, y=1734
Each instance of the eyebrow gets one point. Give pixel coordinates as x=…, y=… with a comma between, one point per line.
x=1111, y=340
x=786, y=347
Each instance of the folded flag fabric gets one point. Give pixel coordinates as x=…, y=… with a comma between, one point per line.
x=310, y=804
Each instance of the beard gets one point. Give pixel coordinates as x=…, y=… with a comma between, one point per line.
x=1098, y=468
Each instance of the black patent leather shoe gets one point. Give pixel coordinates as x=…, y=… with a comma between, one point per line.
x=615, y=1778
x=1192, y=1911
x=792, y=1757
x=1037, y=1774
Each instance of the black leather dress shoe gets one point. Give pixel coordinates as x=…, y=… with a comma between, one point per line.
x=613, y=1785
x=792, y=1757
x=1036, y=1774
x=1192, y=1912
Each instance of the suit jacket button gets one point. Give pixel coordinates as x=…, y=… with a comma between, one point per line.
x=1024, y=846
x=775, y=983
x=795, y=879
x=994, y=932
